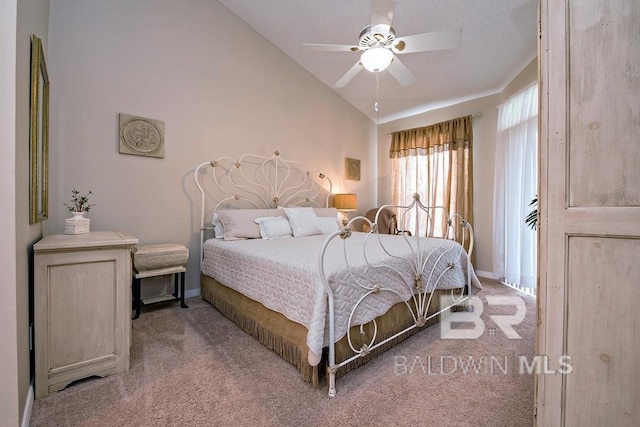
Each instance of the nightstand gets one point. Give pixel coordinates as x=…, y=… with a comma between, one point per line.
x=82, y=302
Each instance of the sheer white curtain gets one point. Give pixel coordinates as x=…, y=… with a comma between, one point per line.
x=514, y=243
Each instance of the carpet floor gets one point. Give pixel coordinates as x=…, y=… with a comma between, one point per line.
x=193, y=367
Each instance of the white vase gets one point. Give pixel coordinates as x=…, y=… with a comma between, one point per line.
x=77, y=224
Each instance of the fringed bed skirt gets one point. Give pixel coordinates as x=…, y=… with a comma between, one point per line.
x=289, y=339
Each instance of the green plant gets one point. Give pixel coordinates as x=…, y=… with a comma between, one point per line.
x=79, y=203
x=532, y=219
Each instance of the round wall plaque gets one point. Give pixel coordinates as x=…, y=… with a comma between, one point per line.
x=141, y=136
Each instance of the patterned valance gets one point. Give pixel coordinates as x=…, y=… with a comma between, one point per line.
x=450, y=134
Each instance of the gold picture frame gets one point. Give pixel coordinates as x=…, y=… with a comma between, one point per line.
x=38, y=135
x=352, y=169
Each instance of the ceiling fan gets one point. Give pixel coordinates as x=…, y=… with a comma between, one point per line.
x=379, y=45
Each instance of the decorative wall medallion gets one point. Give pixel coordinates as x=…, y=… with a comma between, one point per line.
x=352, y=169
x=141, y=136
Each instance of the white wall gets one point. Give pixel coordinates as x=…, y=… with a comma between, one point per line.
x=32, y=17
x=484, y=137
x=219, y=87
x=9, y=413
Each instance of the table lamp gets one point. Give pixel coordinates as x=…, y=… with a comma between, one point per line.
x=346, y=203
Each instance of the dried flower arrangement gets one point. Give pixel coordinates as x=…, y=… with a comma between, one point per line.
x=79, y=203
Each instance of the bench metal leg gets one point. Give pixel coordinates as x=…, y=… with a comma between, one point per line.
x=178, y=293
x=136, y=297
x=182, y=304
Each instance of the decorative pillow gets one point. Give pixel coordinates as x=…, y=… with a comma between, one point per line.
x=240, y=223
x=303, y=221
x=218, y=229
x=273, y=227
x=328, y=224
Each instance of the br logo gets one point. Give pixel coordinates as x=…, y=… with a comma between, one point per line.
x=504, y=322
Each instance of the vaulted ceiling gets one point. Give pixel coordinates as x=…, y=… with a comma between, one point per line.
x=499, y=38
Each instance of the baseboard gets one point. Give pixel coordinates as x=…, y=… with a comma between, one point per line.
x=485, y=274
x=190, y=293
x=28, y=407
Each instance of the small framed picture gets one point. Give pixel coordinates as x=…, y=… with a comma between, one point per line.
x=352, y=169
x=141, y=136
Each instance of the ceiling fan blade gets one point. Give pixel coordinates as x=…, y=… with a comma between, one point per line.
x=353, y=71
x=329, y=47
x=449, y=39
x=382, y=12
x=401, y=72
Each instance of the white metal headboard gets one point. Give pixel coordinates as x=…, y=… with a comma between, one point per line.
x=259, y=182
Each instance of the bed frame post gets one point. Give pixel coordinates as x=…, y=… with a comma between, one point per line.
x=331, y=368
x=202, y=226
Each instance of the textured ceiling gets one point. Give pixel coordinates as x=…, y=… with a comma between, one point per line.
x=498, y=41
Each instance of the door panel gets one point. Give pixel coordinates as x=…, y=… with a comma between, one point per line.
x=589, y=234
x=601, y=338
x=604, y=77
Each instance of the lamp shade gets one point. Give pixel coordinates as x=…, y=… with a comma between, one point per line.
x=376, y=59
x=346, y=202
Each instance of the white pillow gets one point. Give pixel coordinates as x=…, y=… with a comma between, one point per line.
x=328, y=224
x=273, y=227
x=303, y=221
x=218, y=228
x=240, y=223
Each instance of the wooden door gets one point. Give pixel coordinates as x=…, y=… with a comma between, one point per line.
x=589, y=241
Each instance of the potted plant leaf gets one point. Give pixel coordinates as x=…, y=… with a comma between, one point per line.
x=532, y=218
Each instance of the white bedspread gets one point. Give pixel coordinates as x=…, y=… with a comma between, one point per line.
x=282, y=274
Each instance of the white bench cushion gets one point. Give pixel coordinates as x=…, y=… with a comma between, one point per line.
x=159, y=256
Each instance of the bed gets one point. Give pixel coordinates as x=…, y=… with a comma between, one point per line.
x=276, y=260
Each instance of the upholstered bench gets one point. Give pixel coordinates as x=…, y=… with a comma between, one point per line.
x=158, y=260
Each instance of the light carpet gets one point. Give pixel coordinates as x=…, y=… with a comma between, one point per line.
x=193, y=367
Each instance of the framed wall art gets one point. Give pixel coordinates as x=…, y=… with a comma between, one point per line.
x=141, y=136
x=352, y=169
x=38, y=135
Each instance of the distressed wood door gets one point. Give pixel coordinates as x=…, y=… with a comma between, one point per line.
x=589, y=240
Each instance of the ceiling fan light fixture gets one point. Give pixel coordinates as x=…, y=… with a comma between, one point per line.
x=376, y=59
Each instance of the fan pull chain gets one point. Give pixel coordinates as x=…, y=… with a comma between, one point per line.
x=376, y=105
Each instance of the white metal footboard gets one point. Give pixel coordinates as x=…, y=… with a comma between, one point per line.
x=427, y=268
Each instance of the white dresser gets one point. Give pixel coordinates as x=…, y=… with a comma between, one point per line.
x=82, y=304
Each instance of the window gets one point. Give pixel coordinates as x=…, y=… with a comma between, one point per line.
x=434, y=162
x=515, y=182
